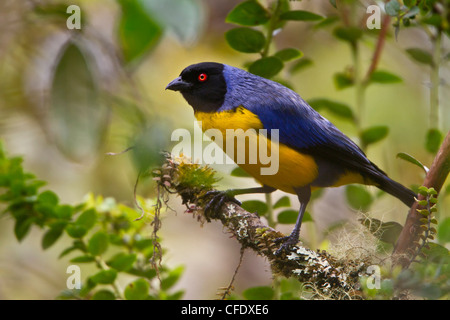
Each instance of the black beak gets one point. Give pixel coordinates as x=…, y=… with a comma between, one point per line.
x=178, y=84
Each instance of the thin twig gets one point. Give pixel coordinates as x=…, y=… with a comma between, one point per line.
x=230, y=287
x=378, y=48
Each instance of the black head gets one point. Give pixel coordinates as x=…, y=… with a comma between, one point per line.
x=202, y=85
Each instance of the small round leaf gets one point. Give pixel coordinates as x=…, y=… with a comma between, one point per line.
x=245, y=40
x=289, y=54
x=266, y=67
x=137, y=290
x=98, y=244
x=248, y=13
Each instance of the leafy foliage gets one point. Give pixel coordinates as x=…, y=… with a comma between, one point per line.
x=246, y=40
x=103, y=233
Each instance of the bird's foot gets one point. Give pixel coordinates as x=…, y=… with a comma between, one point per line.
x=286, y=243
x=218, y=198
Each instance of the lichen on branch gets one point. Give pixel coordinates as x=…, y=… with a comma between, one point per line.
x=328, y=276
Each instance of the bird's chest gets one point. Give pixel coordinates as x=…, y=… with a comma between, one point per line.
x=238, y=118
x=242, y=136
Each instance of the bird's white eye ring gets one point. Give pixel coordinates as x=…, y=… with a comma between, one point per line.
x=202, y=77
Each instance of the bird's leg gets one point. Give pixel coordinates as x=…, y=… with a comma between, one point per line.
x=304, y=194
x=220, y=197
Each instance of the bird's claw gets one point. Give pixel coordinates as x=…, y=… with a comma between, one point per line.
x=287, y=243
x=218, y=198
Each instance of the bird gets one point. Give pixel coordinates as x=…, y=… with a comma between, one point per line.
x=313, y=152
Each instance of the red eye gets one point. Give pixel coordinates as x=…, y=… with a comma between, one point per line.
x=202, y=77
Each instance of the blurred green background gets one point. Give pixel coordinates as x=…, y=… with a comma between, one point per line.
x=68, y=97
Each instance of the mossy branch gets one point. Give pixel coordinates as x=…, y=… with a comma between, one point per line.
x=411, y=232
x=328, y=276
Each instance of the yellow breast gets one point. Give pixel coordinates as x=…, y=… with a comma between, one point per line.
x=294, y=169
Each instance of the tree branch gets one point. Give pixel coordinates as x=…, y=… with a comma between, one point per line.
x=378, y=48
x=436, y=176
x=330, y=277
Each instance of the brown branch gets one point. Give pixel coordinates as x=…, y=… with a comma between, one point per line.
x=378, y=48
x=436, y=176
x=330, y=277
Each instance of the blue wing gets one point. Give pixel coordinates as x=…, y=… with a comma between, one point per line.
x=305, y=130
x=300, y=126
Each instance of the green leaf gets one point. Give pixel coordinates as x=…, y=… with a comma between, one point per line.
x=390, y=231
x=83, y=259
x=245, y=39
x=146, y=273
x=259, y=293
x=290, y=217
x=287, y=217
x=327, y=22
x=76, y=231
x=64, y=212
x=248, y=13
x=48, y=198
x=412, y=12
x=433, y=20
x=184, y=19
x=350, y=34
x=77, y=115
x=444, y=231
x=300, y=15
x=412, y=160
x=98, y=243
x=421, y=56
x=172, y=278
x=255, y=206
x=176, y=295
x=104, y=276
x=47, y=210
x=87, y=219
x=239, y=172
x=103, y=295
x=409, y=3
x=266, y=67
x=144, y=245
x=343, y=80
x=67, y=251
x=358, y=197
x=122, y=261
x=51, y=236
x=374, y=134
x=301, y=65
x=433, y=140
x=87, y=287
x=148, y=143
x=337, y=108
x=289, y=54
x=381, y=76
x=435, y=252
x=137, y=290
x=282, y=202
x=22, y=227
x=392, y=8
x=138, y=31
x=384, y=231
